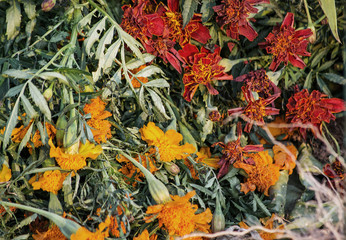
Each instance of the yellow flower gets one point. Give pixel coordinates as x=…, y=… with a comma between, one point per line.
x=178, y=216
x=5, y=173
x=51, y=181
x=283, y=159
x=84, y=234
x=167, y=143
x=74, y=161
x=145, y=236
x=204, y=156
x=261, y=175
x=102, y=128
x=269, y=224
x=2, y=131
x=53, y=233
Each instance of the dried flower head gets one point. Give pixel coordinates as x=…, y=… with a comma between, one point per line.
x=50, y=181
x=285, y=160
x=100, y=234
x=53, y=233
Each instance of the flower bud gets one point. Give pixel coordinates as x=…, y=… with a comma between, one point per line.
x=47, y=5
x=218, y=221
x=312, y=38
x=60, y=130
x=172, y=168
x=215, y=116
x=48, y=93
x=158, y=191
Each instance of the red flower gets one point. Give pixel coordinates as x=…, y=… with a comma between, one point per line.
x=334, y=170
x=312, y=108
x=235, y=14
x=285, y=43
x=256, y=110
x=233, y=152
x=202, y=68
x=258, y=81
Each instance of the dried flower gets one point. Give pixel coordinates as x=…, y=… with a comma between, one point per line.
x=204, y=156
x=168, y=143
x=100, y=234
x=283, y=159
x=5, y=173
x=74, y=161
x=285, y=43
x=114, y=226
x=202, y=68
x=256, y=110
x=235, y=15
x=262, y=174
x=334, y=170
x=178, y=216
x=215, y=116
x=313, y=109
x=50, y=181
x=53, y=233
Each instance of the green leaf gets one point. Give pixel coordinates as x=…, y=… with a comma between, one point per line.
x=135, y=63
x=188, y=138
x=106, y=39
x=261, y=205
x=30, y=9
x=11, y=123
x=279, y=191
x=323, y=86
x=328, y=7
x=133, y=44
x=67, y=189
x=160, y=83
x=25, y=139
x=207, y=10
x=94, y=34
x=17, y=74
x=111, y=54
x=54, y=205
x=52, y=75
x=202, y=189
x=158, y=102
x=149, y=71
x=39, y=100
x=318, y=57
x=142, y=100
x=13, y=19
x=189, y=8
x=86, y=20
x=308, y=81
x=26, y=221
x=326, y=65
x=335, y=78
x=28, y=107
x=14, y=91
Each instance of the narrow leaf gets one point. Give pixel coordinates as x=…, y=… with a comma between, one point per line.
x=14, y=91
x=142, y=100
x=11, y=123
x=86, y=20
x=106, y=39
x=308, y=81
x=149, y=71
x=323, y=86
x=17, y=74
x=207, y=10
x=328, y=7
x=135, y=63
x=13, y=18
x=29, y=109
x=25, y=139
x=160, y=83
x=189, y=8
x=335, y=78
x=39, y=100
x=111, y=54
x=158, y=102
x=52, y=75
x=94, y=34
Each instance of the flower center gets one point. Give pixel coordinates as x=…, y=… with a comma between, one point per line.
x=282, y=42
x=255, y=110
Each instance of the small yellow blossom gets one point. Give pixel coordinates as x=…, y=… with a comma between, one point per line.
x=168, y=143
x=53, y=233
x=100, y=234
x=5, y=173
x=74, y=161
x=50, y=181
x=261, y=175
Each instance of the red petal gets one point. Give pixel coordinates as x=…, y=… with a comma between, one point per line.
x=272, y=111
x=187, y=51
x=248, y=32
x=230, y=46
x=335, y=104
x=288, y=21
x=173, y=5
x=202, y=34
x=155, y=24
x=174, y=61
x=235, y=111
x=296, y=61
x=274, y=65
x=189, y=91
x=304, y=33
x=253, y=148
x=253, y=2
x=211, y=89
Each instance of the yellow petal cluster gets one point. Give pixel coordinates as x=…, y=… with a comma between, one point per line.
x=285, y=160
x=5, y=173
x=167, y=143
x=204, y=156
x=50, y=181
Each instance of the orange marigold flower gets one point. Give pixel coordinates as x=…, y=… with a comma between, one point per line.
x=269, y=224
x=178, y=216
x=168, y=143
x=50, y=181
x=235, y=14
x=100, y=234
x=19, y=133
x=233, y=152
x=256, y=110
x=36, y=139
x=74, y=161
x=285, y=43
x=145, y=236
x=202, y=68
x=53, y=233
x=283, y=159
x=5, y=173
x=204, y=156
x=262, y=174
x=313, y=109
x=135, y=83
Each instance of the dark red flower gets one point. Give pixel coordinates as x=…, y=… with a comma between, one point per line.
x=312, y=108
x=215, y=116
x=256, y=110
x=258, y=81
x=233, y=152
x=201, y=68
x=285, y=43
x=334, y=170
x=235, y=14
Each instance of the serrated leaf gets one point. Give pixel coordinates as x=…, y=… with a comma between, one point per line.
x=111, y=54
x=14, y=91
x=135, y=63
x=323, y=86
x=11, y=123
x=149, y=71
x=158, y=102
x=25, y=139
x=52, y=75
x=207, y=10
x=94, y=34
x=160, y=83
x=335, y=78
x=261, y=205
x=106, y=39
x=328, y=7
x=28, y=107
x=26, y=221
x=86, y=20
x=13, y=19
x=39, y=100
x=133, y=44
x=189, y=8
x=17, y=74
x=308, y=81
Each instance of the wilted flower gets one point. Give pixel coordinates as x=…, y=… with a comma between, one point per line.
x=256, y=110
x=202, y=68
x=168, y=143
x=50, y=181
x=5, y=173
x=100, y=234
x=53, y=233
x=204, y=156
x=178, y=216
x=312, y=108
x=235, y=15
x=233, y=152
x=262, y=173
x=283, y=159
x=285, y=43
x=334, y=170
